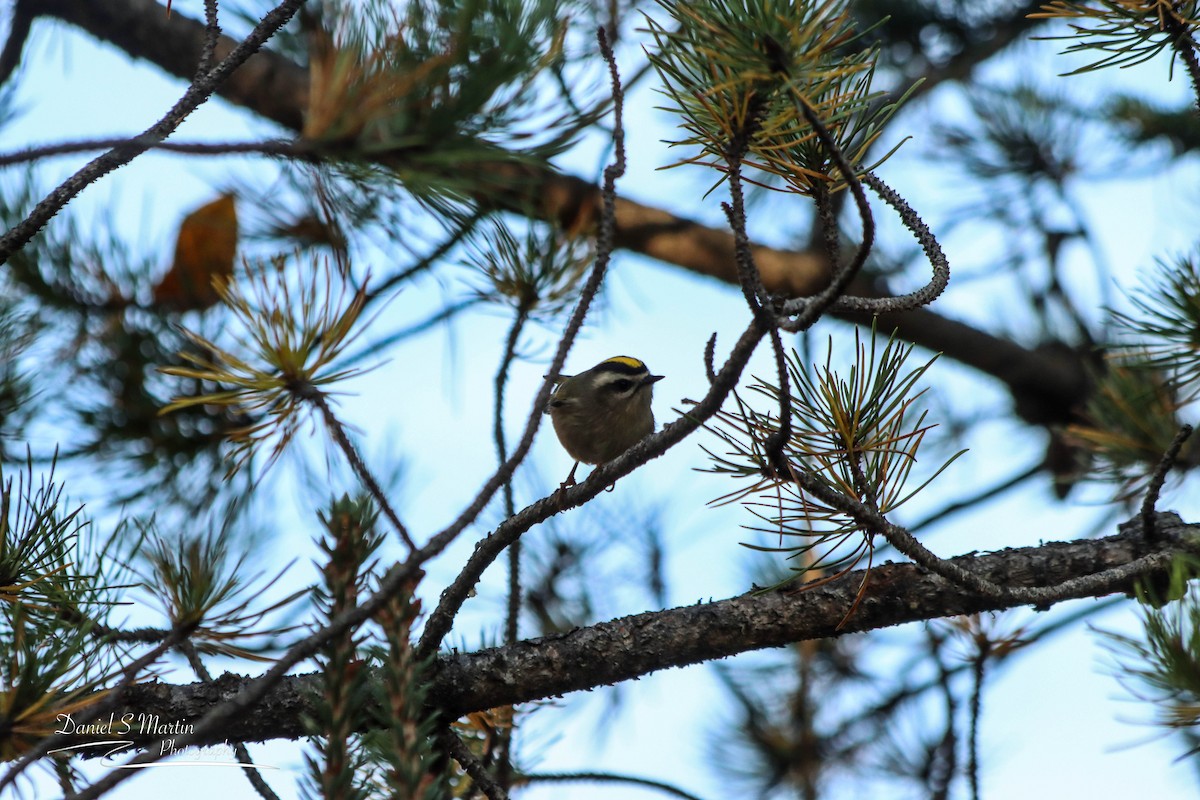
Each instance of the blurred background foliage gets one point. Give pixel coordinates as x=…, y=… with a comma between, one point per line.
x=420, y=185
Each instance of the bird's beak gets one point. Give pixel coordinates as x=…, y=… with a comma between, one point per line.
x=653, y=379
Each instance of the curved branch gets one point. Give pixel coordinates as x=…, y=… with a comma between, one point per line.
x=1046, y=386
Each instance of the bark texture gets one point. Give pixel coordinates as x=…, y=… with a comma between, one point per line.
x=1047, y=385
x=627, y=648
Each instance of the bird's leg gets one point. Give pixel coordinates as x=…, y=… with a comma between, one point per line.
x=570, y=481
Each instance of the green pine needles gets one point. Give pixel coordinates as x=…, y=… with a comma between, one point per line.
x=1165, y=326
x=538, y=273
x=1125, y=31
x=437, y=87
x=1152, y=376
x=1162, y=667
x=369, y=674
x=292, y=336
x=745, y=74
x=856, y=434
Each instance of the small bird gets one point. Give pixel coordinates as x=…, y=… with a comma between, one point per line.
x=601, y=413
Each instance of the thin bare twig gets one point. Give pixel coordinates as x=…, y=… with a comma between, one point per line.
x=338, y=431
x=503, y=758
x=212, y=35
x=440, y=621
x=852, y=182
x=243, y=753
x=514, y=586
x=605, y=777
x=844, y=734
x=929, y=243
x=197, y=93
x=974, y=500
x=978, y=672
x=471, y=765
x=710, y=352
x=429, y=260
x=901, y=539
x=1149, y=529
x=386, y=342
x=282, y=148
x=757, y=299
x=943, y=776
x=884, y=305
x=806, y=313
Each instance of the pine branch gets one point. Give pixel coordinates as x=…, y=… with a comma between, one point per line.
x=197, y=93
x=644, y=643
x=1046, y=386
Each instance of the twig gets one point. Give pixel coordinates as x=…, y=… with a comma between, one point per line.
x=243, y=753
x=110, y=702
x=605, y=777
x=825, y=223
x=514, y=586
x=471, y=765
x=1149, y=529
x=884, y=305
x=99, y=630
x=197, y=93
x=844, y=733
x=756, y=298
x=906, y=543
x=710, y=352
x=749, y=279
x=978, y=670
x=852, y=181
x=503, y=758
x=283, y=148
x=807, y=312
x=338, y=431
x=941, y=778
x=929, y=244
x=447, y=313
x=18, y=34
x=212, y=35
x=440, y=621
x=429, y=260
x=974, y=500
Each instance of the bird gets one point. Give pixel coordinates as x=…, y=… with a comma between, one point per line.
x=602, y=412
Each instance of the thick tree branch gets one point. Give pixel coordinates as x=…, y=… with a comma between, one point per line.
x=630, y=647
x=268, y=84
x=198, y=91
x=1046, y=386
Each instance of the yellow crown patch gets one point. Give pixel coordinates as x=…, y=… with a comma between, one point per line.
x=632, y=363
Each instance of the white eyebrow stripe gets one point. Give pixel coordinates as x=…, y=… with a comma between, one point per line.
x=605, y=379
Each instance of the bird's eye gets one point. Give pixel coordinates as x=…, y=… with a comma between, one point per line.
x=622, y=385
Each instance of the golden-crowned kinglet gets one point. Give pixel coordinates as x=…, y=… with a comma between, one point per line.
x=601, y=413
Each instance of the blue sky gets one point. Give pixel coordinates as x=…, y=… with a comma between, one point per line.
x=1051, y=726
